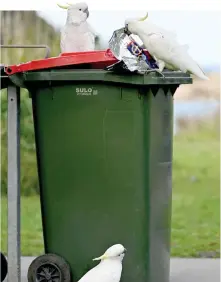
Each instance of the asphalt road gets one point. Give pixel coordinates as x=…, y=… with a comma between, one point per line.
x=182, y=270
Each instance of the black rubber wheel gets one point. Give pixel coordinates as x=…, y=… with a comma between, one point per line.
x=4, y=267
x=49, y=268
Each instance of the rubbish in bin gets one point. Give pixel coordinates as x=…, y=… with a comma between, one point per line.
x=110, y=267
x=163, y=45
x=126, y=49
x=119, y=67
x=77, y=35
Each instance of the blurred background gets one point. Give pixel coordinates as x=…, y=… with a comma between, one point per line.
x=196, y=173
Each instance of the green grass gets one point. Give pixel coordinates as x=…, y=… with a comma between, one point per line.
x=196, y=199
x=195, y=216
x=31, y=227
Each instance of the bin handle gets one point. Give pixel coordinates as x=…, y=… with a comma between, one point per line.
x=48, y=50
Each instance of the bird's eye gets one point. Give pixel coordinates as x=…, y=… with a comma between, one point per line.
x=79, y=9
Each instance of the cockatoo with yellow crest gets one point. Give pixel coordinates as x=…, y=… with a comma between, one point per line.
x=77, y=35
x=110, y=267
x=163, y=46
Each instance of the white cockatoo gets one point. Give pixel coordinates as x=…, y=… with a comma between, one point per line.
x=77, y=35
x=110, y=267
x=163, y=47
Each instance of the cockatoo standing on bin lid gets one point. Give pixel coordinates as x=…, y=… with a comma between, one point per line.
x=163, y=46
x=77, y=35
x=110, y=267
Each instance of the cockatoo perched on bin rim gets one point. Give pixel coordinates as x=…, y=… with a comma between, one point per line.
x=163, y=46
x=77, y=35
x=110, y=267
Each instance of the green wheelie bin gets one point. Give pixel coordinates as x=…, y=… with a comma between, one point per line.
x=104, y=153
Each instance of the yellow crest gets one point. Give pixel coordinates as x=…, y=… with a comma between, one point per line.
x=144, y=18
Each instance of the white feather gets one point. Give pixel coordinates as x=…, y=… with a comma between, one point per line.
x=77, y=38
x=105, y=271
x=77, y=35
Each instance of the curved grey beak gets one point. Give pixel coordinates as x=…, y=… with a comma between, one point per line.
x=87, y=12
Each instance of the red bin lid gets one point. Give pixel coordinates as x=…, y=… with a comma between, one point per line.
x=97, y=60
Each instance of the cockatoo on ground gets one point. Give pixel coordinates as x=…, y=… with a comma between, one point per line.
x=163, y=46
x=77, y=35
x=110, y=267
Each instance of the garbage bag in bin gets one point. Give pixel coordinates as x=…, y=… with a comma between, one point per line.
x=104, y=152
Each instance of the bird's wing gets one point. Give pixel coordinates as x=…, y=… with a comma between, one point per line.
x=92, y=30
x=173, y=54
x=159, y=44
x=158, y=29
x=91, y=40
x=167, y=49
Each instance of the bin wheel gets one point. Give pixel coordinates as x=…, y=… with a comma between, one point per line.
x=49, y=268
x=4, y=267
